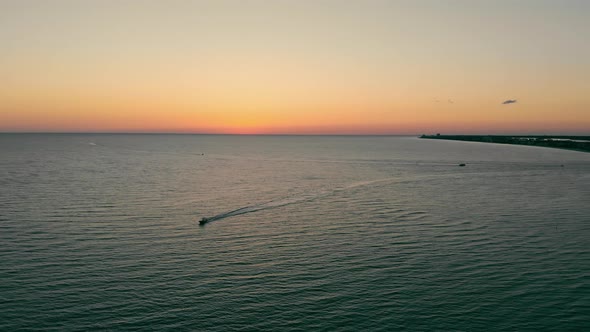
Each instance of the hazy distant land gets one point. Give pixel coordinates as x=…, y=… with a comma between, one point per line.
x=578, y=143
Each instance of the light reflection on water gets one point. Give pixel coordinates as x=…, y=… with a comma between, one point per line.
x=341, y=233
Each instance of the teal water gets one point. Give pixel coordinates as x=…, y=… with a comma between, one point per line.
x=100, y=232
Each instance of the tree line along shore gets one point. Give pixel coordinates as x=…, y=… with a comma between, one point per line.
x=578, y=143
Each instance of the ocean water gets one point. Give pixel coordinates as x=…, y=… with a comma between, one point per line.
x=309, y=233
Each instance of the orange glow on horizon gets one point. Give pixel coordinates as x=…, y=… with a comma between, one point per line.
x=294, y=67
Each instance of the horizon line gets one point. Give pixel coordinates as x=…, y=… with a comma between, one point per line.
x=275, y=134
x=184, y=133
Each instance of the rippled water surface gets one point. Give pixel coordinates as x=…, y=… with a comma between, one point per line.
x=100, y=232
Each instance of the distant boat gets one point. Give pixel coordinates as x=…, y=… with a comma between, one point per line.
x=461, y=165
x=203, y=221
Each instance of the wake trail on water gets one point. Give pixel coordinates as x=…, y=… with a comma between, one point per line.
x=292, y=200
x=277, y=203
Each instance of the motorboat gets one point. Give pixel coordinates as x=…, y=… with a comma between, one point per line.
x=203, y=221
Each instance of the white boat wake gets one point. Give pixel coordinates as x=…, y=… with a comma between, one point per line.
x=289, y=200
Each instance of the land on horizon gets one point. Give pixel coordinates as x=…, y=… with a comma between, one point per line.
x=577, y=143
x=567, y=136
x=219, y=165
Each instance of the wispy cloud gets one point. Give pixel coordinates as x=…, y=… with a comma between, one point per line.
x=509, y=101
x=436, y=100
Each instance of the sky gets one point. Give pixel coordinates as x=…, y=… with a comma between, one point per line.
x=295, y=67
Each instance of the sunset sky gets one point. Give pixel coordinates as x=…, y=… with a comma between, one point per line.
x=295, y=67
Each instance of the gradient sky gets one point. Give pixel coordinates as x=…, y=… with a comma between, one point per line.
x=331, y=67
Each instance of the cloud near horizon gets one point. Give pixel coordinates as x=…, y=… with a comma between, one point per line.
x=509, y=101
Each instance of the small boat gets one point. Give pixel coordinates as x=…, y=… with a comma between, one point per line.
x=461, y=165
x=203, y=221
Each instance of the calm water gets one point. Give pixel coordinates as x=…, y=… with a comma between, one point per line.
x=100, y=232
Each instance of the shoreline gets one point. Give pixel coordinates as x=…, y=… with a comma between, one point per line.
x=573, y=143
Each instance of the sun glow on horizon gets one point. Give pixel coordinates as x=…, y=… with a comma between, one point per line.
x=294, y=67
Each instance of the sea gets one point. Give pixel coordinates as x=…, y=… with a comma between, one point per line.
x=100, y=232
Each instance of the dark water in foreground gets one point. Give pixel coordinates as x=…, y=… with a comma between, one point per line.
x=100, y=232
